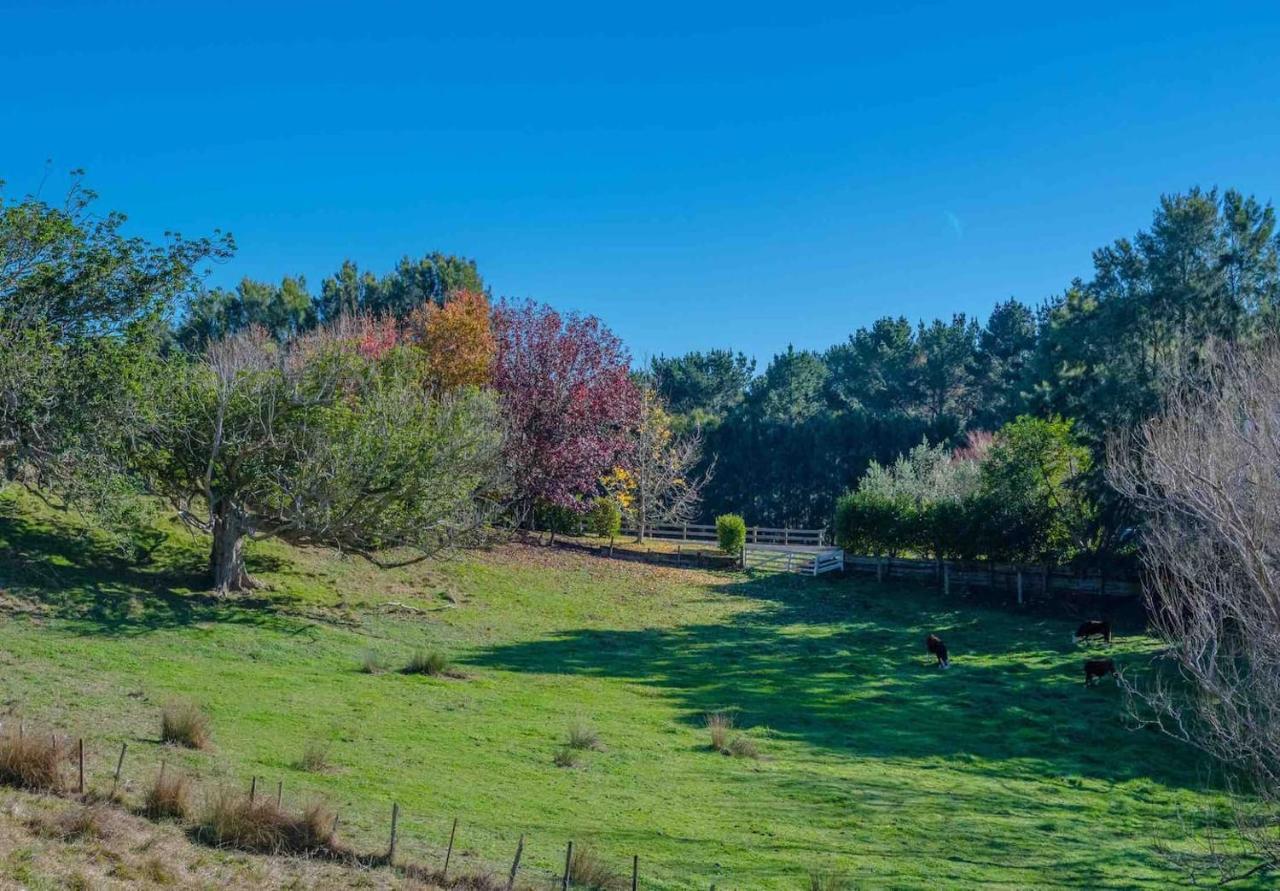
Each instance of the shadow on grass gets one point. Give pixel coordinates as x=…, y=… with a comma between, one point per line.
x=840, y=665
x=69, y=575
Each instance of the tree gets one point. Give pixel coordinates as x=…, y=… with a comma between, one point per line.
x=569, y=402
x=326, y=439
x=282, y=310
x=945, y=370
x=1205, y=475
x=876, y=369
x=665, y=488
x=706, y=384
x=457, y=340
x=1005, y=349
x=433, y=278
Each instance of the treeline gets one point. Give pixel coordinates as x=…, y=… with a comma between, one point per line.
x=1100, y=355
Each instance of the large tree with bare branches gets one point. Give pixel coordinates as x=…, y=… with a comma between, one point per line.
x=664, y=484
x=328, y=439
x=1205, y=474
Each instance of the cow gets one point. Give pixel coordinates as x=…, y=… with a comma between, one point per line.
x=1098, y=668
x=1093, y=628
x=937, y=648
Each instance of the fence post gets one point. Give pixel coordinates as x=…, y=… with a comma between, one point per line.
x=946, y=579
x=279, y=792
x=444, y=873
x=635, y=872
x=119, y=766
x=1019, y=586
x=395, y=820
x=253, y=789
x=568, y=860
x=80, y=757
x=515, y=864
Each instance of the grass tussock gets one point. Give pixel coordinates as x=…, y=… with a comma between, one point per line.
x=430, y=879
x=231, y=820
x=81, y=822
x=719, y=725
x=430, y=662
x=588, y=870
x=184, y=724
x=743, y=747
x=315, y=757
x=372, y=663
x=567, y=756
x=825, y=880
x=32, y=760
x=168, y=797
x=584, y=737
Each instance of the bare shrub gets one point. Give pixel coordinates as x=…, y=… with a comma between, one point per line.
x=184, y=724
x=32, y=760
x=168, y=797
x=1205, y=477
x=231, y=820
x=588, y=870
x=584, y=737
x=720, y=725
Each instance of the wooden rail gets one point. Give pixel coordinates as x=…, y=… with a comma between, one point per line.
x=1021, y=581
x=755, y=534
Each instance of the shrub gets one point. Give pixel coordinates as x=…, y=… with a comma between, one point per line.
x=719, y=724
x=32, y=761
x=184, y=724
x=371, y=663
x=587, y=870
x=232, y=820
x=743, y=747
x=731, y=533
x=824, y=880
x=315, y=757
x=431, y=662
x=583, y=736
x=169, y=797
x=566, y=756
x=605, y=518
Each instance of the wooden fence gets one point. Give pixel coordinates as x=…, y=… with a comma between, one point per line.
x=814, y=538
x=801, y=562
x=1022, y=582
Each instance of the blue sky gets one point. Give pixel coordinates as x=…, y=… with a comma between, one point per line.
x=697, y=174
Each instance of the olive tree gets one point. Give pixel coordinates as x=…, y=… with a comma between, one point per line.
x=328, y=439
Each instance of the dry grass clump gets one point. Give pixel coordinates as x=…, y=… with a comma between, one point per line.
x=184, y=724
x=232, y=820
x=315, y=757
x=584, y=737
x=587, y=870
x=430, y=662
x=430, y=879
x=743, y=747
x=168, y=798
x=32, y=761
x=720, y=725
x=85, y=821
x=372, y=663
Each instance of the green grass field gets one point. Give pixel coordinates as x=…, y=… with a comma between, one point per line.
x=1002, y=772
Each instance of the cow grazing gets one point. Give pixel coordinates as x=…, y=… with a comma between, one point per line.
x=937, y=648
x=1093, y=628
x=1098, y=668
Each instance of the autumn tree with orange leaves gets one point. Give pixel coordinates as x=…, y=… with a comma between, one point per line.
x=457, y=340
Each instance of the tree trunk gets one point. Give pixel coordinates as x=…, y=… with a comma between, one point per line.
x=226, y=561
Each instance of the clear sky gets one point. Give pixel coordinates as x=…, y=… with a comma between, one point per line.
x=697, y=174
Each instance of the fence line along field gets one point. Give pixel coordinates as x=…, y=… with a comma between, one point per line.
x=741, y=730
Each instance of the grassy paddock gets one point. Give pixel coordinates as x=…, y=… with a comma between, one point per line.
x=1002, y=772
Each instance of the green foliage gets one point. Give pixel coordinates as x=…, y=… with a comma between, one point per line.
x=413, y=283
x=731, y=533
x=605, y=517
x=707, y=383
x=283, y=310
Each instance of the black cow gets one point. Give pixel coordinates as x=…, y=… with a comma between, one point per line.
x=1098, y=668
x=936, y=647
x=1093, y=628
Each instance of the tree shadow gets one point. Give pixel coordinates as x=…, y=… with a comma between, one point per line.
x=58, y=569
x=840, y=665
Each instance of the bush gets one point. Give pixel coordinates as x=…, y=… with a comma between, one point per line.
x=566, y=756
x=587, y=870
x=184, y=724
x=605, y=518
x=583, y=736
x=315, y=757
x=743, y=747
x=32, y=761
x=720, y=724
x=731, y=533
x=824, y=880
x=168, y=798
x=371, y=663
x=232, y=820
x=431, y=662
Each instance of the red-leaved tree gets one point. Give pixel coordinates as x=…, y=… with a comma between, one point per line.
x=567, y=394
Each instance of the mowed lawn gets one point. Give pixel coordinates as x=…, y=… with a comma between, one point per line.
x=1002, y=772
